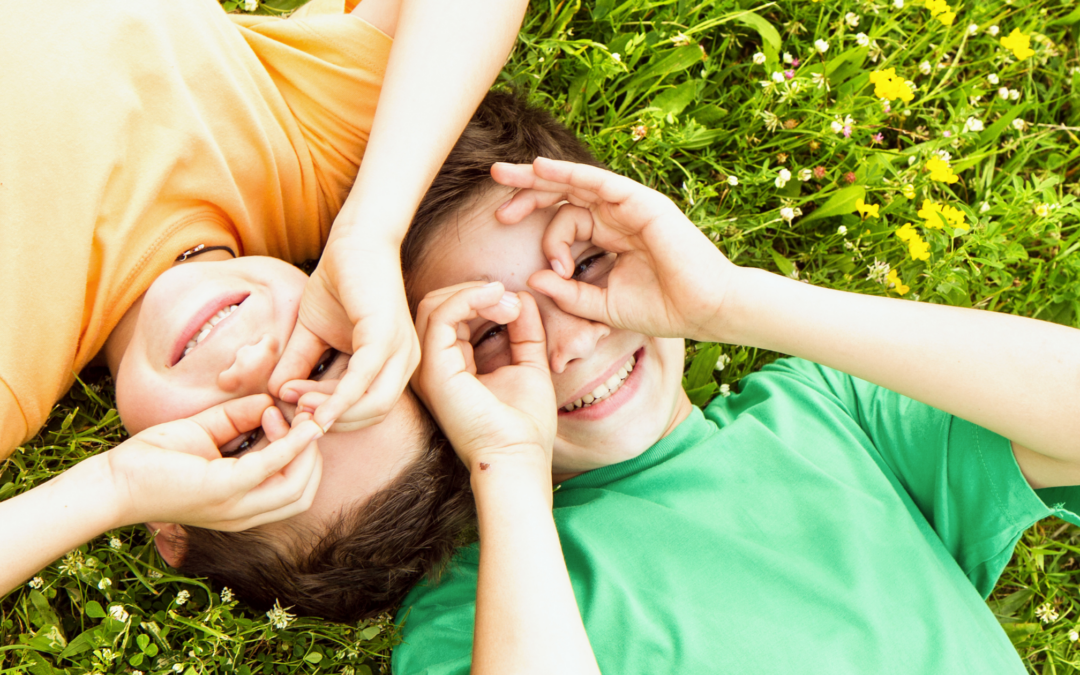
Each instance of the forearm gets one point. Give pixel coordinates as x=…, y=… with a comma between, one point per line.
x=1015, y=376
x=527, y=618
x=444, y=59
x=40, y=525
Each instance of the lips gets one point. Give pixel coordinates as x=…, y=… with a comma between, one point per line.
x=198, y=321
x=626, y=378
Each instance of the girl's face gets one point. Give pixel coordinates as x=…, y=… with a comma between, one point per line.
x=208, y=332
x=618, y=392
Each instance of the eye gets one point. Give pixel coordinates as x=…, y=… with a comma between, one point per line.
x=594, y=266
x=324, y=364
x=246, y=442
x=491, y=333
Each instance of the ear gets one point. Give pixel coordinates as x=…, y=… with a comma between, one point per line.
x=169, y=539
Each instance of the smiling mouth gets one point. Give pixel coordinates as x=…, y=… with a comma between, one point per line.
x=605, y=389
x=202, y=324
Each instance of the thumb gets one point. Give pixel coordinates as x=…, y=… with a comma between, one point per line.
x=572, y=296
x=300, y=356
x=528, y=344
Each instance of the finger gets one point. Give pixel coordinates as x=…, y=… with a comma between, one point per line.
x=582, y=179
x=228, y=420
x=528, y=342
x=528, y=177
x=273, y=424
x=301, y=354
x=484, y=295
x=571, y=296
x=436, y=298
x=517, y=207
x=254, y=468
x=284, y=495
x=302, y=387
x=570, y=225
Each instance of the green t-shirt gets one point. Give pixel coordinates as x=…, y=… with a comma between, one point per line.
x=810, y=523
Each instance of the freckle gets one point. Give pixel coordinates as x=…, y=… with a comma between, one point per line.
x=484, y=466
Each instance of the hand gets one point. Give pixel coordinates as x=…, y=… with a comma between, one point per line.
x=508, y=412
x=668, y=279
x=355, y=303
x=174, y=472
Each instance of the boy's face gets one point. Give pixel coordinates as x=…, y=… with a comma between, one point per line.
x=588, y=360
x=159, y=379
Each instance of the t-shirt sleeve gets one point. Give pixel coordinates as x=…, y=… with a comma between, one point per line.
x=962, y=478
x=437, y=622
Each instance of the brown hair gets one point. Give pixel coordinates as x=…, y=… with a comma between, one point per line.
x=505, y=128
x=368, y=560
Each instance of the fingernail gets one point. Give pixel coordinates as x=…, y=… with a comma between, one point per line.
x=493, y=284
x=509, y=300
x=559, y=269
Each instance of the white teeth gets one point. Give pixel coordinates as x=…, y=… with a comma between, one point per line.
x=207, y=327
x=606, y=389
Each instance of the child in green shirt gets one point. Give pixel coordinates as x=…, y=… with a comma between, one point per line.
x=814, y=521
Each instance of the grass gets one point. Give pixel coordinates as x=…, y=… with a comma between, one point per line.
x=670, y=92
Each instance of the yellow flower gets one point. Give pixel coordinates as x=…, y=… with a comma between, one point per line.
x=909, y=191
x=893, y=282
x=940, y=170
x=942, y=11
x=947, y=17
x=931, y=213
x=866, y=210
x=954, y=216
x=1042, y=210
x=918, y=248
x=888, y=86
x=1019, y=44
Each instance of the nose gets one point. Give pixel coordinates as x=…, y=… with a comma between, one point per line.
x=250, y=370
x=569, y=337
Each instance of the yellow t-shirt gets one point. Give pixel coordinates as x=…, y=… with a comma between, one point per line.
x=133, y=130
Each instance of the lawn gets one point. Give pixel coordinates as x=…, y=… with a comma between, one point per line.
x=905, y=148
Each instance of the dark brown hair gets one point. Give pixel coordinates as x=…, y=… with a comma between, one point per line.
x=505, y=128
x=368, y=560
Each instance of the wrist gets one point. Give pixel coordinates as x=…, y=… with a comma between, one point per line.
x=524, y=474
x=102, y=504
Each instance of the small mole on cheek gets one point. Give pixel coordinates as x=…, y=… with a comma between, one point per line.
x=484, y=466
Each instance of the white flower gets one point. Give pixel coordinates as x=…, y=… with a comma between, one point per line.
x=118, y=612
x=993, y=30
x=993, y=79
x=1074, y=635
x=279, y=618
x=849, y=246
x=1042, y=211
x=182, y=597
x=251, y=5
x=787, y=213
x=1019, y=124
x=862, y=40
x=759, y=58
x=136, y=672
x=777, y=77
x=115, y=544
x=944, y=154
x=925, y=67
x=36, y=583
x=783, y=178
x=1003, y=92
x=805, y=175
x=1046, y=613
x=104, y=583
x=788, y=58
x=973, y=124
x=851, y=19
x=973, y=28
x=842, y=231
x=836, y=126
x=819, y=80
x=226, y=594
x=898, y=4
x=984, y=207
x=178, y=667
x=725, y=390
x=821, y=46
x=722, y=362
x=1014, y=95
x=879, y=271
x=732, y=181
x=615, y=57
